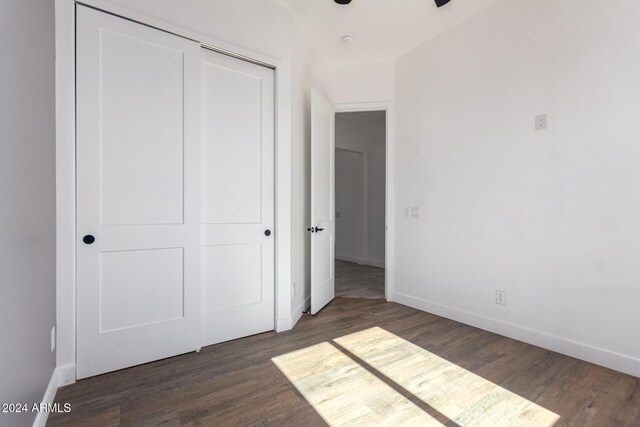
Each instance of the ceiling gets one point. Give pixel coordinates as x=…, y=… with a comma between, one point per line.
x=382, y=29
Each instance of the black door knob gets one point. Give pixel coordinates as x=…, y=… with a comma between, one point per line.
x=267, y=233
x=88, y=239
x=319, y=229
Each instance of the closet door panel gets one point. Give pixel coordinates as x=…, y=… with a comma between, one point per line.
x=233, y=146
x=141, y=122
x=138, y=194
x=238, y=198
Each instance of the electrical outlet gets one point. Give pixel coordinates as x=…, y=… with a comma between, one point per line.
x=337, y=214
x=541, y=122
x=415, y=212
x=293, y=289
x=53, y=339
x=501, y=297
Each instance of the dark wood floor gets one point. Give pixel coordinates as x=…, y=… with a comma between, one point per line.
x=236, y=383
x=359, y=281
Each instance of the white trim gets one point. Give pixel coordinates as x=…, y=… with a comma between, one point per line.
x=599, y=356
x=285, y=324
x=48, y=398
x=66, y=375
x=299, y=311
x=65, y=166
x=288, y=323
x=282, y=231
x=387, y=107
x=65, y=184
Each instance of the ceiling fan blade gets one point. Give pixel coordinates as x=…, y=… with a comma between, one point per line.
x=441, y=3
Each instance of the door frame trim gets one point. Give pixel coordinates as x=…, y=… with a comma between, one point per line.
x=66, y=169
x=387, y=107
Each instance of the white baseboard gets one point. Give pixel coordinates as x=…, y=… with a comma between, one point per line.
x=66, y=375
x=297, y=312
x=48, y=398
x=284, y=324
x=361, y=261
x=287, y=323
x=599, y=356
x=375, y=263
x=349, y=258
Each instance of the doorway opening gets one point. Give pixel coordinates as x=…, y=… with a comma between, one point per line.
x=360, y=204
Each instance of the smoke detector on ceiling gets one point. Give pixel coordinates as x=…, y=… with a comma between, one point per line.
x=347, y=39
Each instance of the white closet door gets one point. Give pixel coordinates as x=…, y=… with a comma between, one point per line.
x=138, y=194
x=238, y=198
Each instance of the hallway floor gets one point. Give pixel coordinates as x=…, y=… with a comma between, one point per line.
x=359, y=281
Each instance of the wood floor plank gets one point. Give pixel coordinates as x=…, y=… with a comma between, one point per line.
x=237, y=383
x=358, y=281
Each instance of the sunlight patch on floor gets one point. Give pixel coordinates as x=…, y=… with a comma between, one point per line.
x=462, y=396
x=346, y=394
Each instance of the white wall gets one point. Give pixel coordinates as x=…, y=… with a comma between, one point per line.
x=369, y=138
x=358, y=82
x=550, y=216
x=27, y=215
x=262, y=26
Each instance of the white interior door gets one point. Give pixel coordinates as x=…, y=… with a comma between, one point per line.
x=138, y=194
x=322, y=202
x=238, y=198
